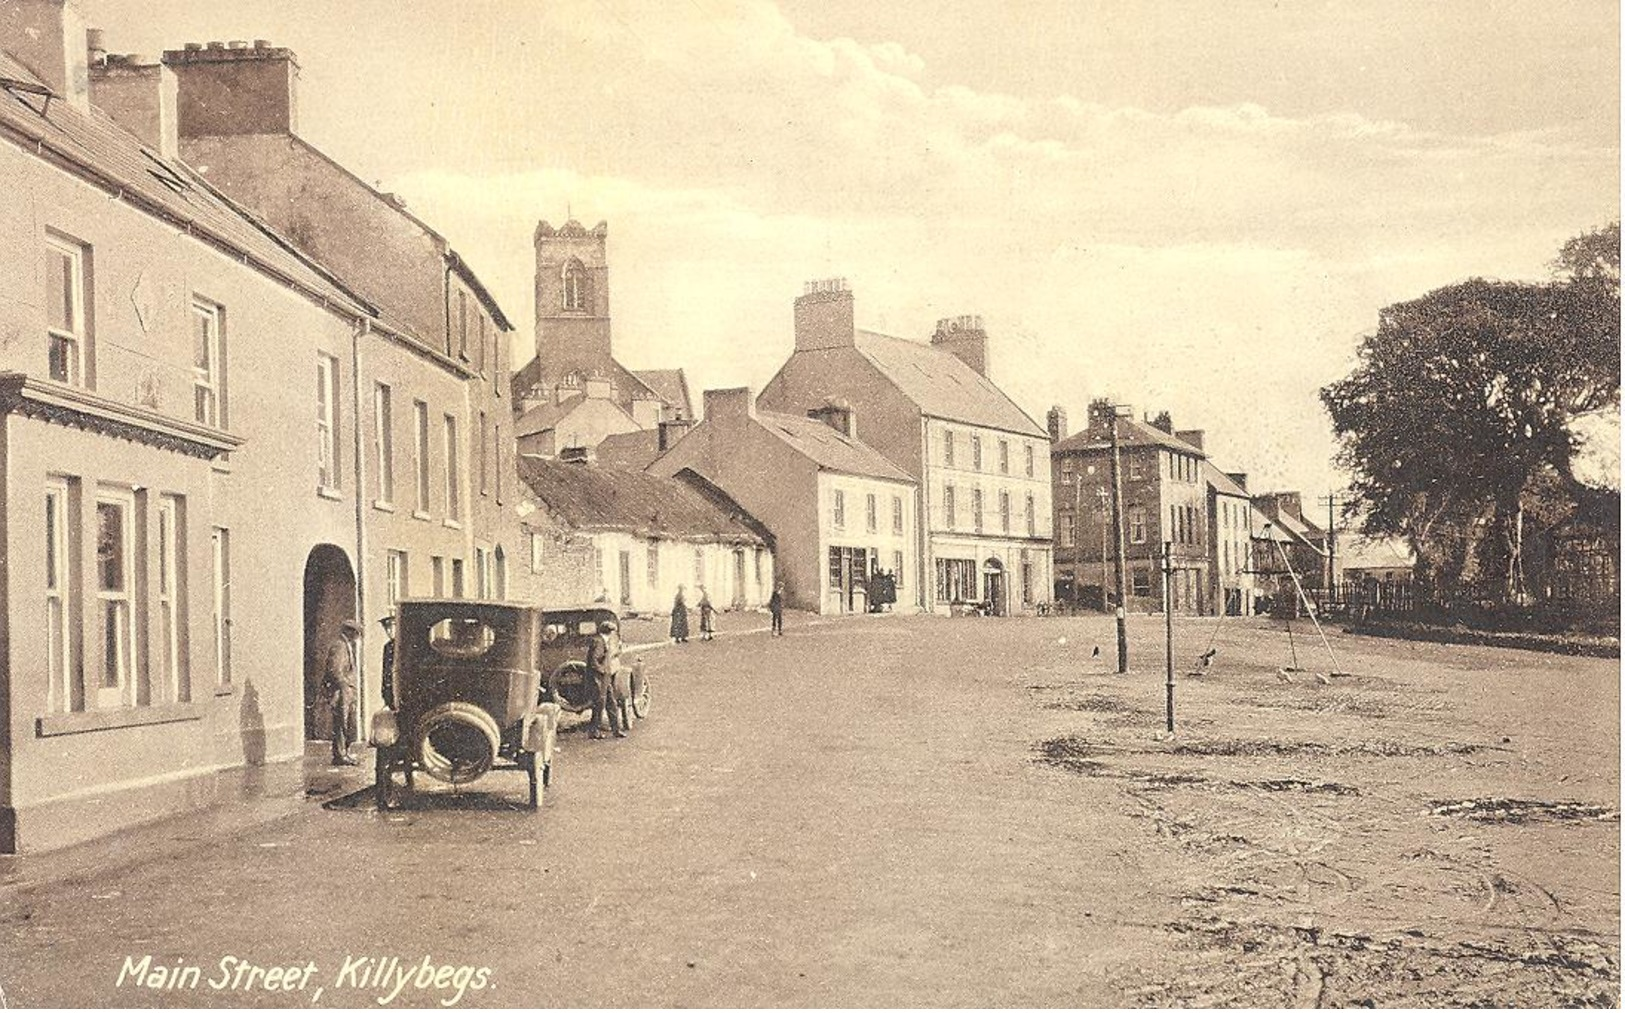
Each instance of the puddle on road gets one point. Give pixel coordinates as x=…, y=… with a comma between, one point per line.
x=1078, y=757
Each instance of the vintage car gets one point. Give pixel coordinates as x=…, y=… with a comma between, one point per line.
x=565, y=633
x=467, y=685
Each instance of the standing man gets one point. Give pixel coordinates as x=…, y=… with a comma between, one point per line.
x=775, y=607
x=388, y=680
x=602, y=661
x=338, y=682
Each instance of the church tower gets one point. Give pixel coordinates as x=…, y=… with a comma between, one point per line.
x=572, y=302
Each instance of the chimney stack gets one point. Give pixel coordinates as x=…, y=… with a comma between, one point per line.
x=730, y=406
x=824, y=316
x=141, y=95
x=839, y=416
x=1192, y=436
x=578, y=455
x=49, y=38
x=965, y=338
x=1238, y=477
x=671, y=431
x=1057, y=424
x=236, y=88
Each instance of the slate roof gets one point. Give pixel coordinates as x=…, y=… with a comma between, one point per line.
x=670, y=385
x=95, y=146
x=943, y=386
x=589, y=498
x=829, y=448
x=636, y=450
x=1131, y=432
x=1223, y=484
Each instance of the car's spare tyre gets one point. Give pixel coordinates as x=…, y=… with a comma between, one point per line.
x=458, y=742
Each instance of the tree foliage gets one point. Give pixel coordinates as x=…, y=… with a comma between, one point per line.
x=1463, y=397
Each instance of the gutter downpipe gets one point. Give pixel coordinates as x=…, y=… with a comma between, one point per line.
x=362, y=327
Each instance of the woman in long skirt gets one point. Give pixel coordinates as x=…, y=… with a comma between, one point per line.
x=708, y=615
x=679, y=618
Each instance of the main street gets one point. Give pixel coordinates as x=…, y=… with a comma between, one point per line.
x=918, y=811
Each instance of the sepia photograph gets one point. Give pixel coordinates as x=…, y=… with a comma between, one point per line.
x=1065, y=503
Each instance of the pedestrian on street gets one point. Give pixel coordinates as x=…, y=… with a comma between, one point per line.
x=679, y=618
x=775, y=608
x=338, y=683
x=708, y=615
x=602, y=662
x=387, y=683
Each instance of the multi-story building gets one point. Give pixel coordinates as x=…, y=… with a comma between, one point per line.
x=631, y=539
x=979, y=461
x=575, y=392
x=1232, y=573
x=1165, y=500
x=839, y=512
x=437, y=396
x=198, y=535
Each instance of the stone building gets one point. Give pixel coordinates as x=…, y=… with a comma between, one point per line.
x=1165, y=499
x=630, y=539
x=200, y=524
x=1232, y=576
x=838, y=511
x=978, y=460
x=574, y=392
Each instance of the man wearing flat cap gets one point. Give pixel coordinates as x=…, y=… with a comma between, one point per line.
x=338, y=682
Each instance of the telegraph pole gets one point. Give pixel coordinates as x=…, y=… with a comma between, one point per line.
x=1331, y=546
x=1122, y=545
x=1168, y=621
x=1105, y=516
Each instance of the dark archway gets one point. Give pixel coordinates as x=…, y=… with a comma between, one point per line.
x=329, y=600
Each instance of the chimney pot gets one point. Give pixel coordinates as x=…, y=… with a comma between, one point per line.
x=217, y=45
x=262, y=43
x=237, y=44
x=194, y=47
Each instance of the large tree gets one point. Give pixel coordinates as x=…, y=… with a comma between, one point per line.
x=1463, y=397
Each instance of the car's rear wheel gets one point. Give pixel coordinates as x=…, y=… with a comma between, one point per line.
x=639, y=692
x=568, y=677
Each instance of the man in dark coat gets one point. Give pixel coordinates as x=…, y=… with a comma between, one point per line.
x=387, y=683
x=603, y=662
x=338, y=682
x=775, y=608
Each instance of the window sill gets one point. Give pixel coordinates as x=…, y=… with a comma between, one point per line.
x=421, y=515
x=383, y=504
x=105, y=720
x=455, y=525
x=225, y=689
x=325, y=493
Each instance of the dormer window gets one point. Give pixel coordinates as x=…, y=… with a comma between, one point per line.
x=577, y=287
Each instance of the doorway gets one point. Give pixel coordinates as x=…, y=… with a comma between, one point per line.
x=739, y=579
x=329, y=600
x=993, y=589
x=626, y=579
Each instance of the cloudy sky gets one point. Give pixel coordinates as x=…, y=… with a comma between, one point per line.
x=1188, y=206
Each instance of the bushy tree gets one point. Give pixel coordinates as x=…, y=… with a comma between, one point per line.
x=1461, y=398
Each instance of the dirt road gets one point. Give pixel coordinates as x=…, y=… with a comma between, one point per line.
x=917, y=811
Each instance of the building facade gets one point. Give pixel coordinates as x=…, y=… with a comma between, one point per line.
x=979, y=462
x=200, y=523
x=631, y=539
x=1165, y=500
x=839, y=513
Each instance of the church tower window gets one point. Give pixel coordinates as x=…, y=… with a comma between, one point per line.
x=577, y=287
